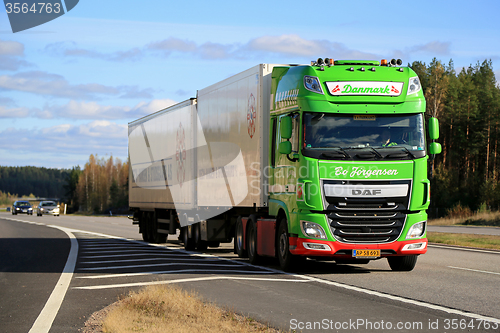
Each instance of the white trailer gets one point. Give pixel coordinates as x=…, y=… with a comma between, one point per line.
x=202, y=160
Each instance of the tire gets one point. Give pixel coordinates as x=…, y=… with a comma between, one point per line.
x=239, y=239
x=157, y=238
x=402, y=264
x=189, y=244
x=201, y=245
x=253, y=257
x=288, y=261
x=146, y=227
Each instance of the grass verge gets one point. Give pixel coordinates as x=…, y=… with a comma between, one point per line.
x=171, y=309
x=478, y=241
x=489, y=219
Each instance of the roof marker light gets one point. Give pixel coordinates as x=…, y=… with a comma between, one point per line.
x=351, y=69
x=383, y=62
x=372, y=69
x=362, y=69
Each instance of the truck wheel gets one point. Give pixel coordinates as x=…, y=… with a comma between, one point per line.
x=402, y=264
x=238, y=239
x=201, y=245
x=253, y=257
x=189, y=244
x=288, y=261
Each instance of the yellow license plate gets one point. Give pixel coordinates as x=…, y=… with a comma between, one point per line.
x=366, y=253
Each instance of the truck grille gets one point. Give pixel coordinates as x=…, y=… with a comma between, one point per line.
x=366, y=220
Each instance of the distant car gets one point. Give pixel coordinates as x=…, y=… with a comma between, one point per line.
x=22, y=207
x=47, y=207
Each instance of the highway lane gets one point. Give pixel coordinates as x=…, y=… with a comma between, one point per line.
x=452, y=278
x=31, y=260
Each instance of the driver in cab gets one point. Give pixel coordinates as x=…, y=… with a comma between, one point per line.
x=385, y=138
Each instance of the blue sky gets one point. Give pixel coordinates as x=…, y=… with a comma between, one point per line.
x=69, y=87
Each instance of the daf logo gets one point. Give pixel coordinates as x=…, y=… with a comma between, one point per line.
x=366, y=192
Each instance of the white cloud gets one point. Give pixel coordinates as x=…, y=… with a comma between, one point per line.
x=11, y=54
x=15, y=112
x=289, y=44
x=44, y=83
x=48, y=84
x=144, y=108
x=92, y=110
x=69, y=49
x=96, y=137
x=11, y=48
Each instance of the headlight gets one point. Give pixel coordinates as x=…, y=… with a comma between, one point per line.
x=312, y=84
x=414, y=85
x=416, y=231
x=313, y=230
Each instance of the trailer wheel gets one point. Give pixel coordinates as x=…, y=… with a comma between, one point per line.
x=402, y=264
x=201, y=245
x=288, y=261
x=239, y=239
x=146, y=228
x=189, y=244
x=253, y=257
x=156, y=236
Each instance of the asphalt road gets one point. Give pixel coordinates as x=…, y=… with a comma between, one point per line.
x=448, y=286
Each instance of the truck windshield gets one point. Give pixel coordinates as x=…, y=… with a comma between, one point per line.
x=377, y=133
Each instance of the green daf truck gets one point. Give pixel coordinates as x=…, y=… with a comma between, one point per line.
x=323, y=161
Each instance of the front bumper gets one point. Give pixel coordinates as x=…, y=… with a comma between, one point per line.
x=49, y=212
x=323, y=248
x=23, y=211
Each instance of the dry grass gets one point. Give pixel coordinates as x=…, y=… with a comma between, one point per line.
x=477, y=241
x=479, y=219
x=171, y=309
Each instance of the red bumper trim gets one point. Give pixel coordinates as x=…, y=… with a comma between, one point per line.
x=338, y=246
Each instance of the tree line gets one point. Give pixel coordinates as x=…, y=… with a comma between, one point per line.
x=467, y=104
x=34, y=181
x=101, y=186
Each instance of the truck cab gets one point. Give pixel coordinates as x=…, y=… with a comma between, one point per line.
x=348, y=160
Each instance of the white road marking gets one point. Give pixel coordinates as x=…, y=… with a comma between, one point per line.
x=163, y=254
x=462, y=248
x=474, y=270
x=179, y=271
x=114, y=248
x=139, y=260
x=45, y=319
x=127, y=251
x=402, y=299
x=208, y=278
x=153, y=265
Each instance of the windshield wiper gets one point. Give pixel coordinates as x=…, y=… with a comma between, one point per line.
x=372, y=152
x=335, y=154
x=406, y=150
